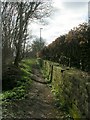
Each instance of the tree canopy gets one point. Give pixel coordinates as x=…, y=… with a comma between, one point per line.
x=71, y=49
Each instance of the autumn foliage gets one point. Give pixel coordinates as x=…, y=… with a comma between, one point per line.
x=71, y=49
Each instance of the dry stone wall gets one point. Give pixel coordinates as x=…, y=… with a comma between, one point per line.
x=72, y=88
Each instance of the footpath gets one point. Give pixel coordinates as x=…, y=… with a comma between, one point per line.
x=40, y=102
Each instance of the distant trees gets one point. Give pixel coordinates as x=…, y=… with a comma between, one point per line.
x=36, y=46
x=72, y=49
x=15, y=19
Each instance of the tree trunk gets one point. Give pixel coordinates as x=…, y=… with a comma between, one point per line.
x=19, y=46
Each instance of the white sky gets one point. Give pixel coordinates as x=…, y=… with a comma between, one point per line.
x=68, y=15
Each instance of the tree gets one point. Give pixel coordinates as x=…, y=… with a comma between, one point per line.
x=7, y=30
x=19, y=14
x=71, y=49
x=37, y=46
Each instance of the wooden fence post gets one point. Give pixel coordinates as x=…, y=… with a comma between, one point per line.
x=51, y=73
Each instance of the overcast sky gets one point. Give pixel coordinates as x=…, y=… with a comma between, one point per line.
x=68, y=15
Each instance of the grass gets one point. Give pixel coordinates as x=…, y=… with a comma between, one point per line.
x=22, y=84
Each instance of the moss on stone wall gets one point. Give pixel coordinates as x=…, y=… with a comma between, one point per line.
x=71, y=87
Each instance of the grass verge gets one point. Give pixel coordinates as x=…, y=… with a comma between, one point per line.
x=22, y=82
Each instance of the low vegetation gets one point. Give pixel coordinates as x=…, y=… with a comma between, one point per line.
x=16, y=81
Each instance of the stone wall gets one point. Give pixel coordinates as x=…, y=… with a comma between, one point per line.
x=71, y=87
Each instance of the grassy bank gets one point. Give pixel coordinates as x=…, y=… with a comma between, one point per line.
x=21, y=81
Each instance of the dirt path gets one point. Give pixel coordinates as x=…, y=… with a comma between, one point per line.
x=39, y=103
x=42, y=98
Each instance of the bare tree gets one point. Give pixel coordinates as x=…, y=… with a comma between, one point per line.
x=19, y=15
x=7, y=30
